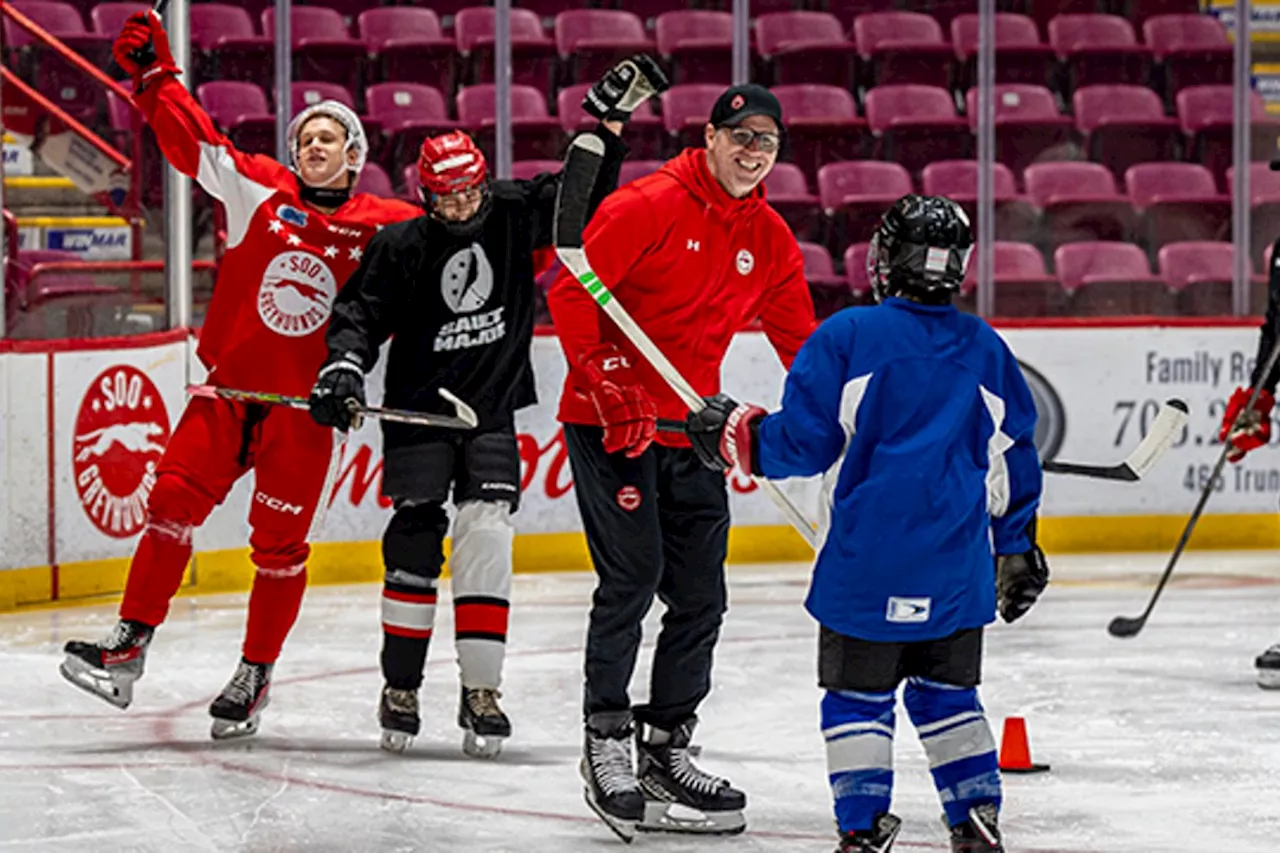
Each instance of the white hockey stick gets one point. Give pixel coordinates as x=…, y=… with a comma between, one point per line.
x=1171, y=418
x=581, y=165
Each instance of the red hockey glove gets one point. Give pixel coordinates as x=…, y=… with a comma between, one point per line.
x=724, y=433
x=628, y=415
x=142, y=49
x=1254, y=429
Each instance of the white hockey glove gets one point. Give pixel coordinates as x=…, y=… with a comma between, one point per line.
x=624, y=87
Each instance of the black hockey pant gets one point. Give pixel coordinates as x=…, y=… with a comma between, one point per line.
x=659, y=525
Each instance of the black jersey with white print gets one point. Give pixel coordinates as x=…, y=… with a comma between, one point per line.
x=459, y=310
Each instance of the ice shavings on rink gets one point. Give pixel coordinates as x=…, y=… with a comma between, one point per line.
x=1158, y=744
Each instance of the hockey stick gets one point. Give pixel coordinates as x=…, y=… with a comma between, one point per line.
x=1127, y=626
x=1171, y=418
x=581, y=165
x=465, y=418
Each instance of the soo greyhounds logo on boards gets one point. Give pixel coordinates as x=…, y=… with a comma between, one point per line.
x=121, y=431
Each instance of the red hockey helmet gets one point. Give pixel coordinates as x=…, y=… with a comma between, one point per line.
x=450, y=163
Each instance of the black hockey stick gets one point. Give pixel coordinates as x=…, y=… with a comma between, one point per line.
x=1172, y=417
x=581, y=166
x=465, y=418
x=1127, y=626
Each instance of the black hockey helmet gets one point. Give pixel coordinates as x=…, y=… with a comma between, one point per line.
x=920, y=249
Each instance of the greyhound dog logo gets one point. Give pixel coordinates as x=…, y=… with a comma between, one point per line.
x=120, y=434
x=297, y=294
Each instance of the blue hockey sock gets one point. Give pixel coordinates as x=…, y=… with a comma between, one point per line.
x=858, y=728
x=962, y=753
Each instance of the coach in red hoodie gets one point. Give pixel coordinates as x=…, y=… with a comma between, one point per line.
x=694, y=254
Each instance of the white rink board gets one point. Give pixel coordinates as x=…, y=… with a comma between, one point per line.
x=1105, y=381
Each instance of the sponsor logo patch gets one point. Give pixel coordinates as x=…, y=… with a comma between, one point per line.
x=908, y=609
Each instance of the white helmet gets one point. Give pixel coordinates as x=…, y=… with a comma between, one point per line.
x=341, y=113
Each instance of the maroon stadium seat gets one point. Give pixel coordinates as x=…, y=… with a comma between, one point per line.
x=591, y=41
x=533, y=52
x=805, y=47
x=822, y=125
x=1189, y=50
x=240, y=109
x=855, y=194
x=535, y=134
x=1123, y=125
x=406, y=43
x=787, y=191
x=523, y=170
x=1200, y=272
x=1205, y=113
x=323, y=48
x=697, y=45
x=685, y=110
x=1029, y=127
x=902, y=47
x=375, y=181
x=408, y=113
x=1177, y=201
x=915, y=125
x=1078, y=201
x=1264, y=208
x=1022, y=287
x=1099, y=49
x=632, y=169
x=228, y=45
x=646, y=135
x=1021, y=57
x=51, y=75
x=830, y=292
x=855, y=273
x=1105, y=278
x=1016, y=219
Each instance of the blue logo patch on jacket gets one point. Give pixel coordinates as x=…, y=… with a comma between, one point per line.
x=292, y=215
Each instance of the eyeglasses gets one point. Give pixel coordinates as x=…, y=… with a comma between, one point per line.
x=765, y=141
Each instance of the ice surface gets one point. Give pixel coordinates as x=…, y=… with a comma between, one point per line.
x=1159, y=743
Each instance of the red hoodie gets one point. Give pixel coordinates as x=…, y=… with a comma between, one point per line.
x=693, y=266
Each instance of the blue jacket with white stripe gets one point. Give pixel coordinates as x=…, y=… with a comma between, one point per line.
x=923, y=424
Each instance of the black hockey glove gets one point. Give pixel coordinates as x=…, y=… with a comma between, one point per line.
x=624, y=87
x=724, y=433
x=338, y=383
x=1020, y=578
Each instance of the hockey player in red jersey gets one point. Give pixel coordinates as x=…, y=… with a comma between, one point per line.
x=293, y=235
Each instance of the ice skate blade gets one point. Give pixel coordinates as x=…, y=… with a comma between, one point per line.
x=233, y=729
x=481, y=746
x=624, y=829
x=1269, y=679
x=677, y=817
x=97, y=683
x=395, y=741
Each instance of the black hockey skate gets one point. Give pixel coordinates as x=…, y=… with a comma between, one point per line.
x=237, y=709
x=680, y=796
x=980, y=833
x=109, y=668
x=878, y=839
x=480, y=716
x=398, y=715
x=1268, y=664
x=611, y=789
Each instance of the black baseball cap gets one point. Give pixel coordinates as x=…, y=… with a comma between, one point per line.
x=739, y=102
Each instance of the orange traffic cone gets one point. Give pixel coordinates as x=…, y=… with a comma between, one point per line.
x=1015, y=749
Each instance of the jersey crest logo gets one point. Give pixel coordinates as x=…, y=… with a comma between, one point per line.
x=297, y=294
x=628, y=498
x=908, y=609
x=745, y=262
x=120, y=434
x=290, y=214
x=466, y=282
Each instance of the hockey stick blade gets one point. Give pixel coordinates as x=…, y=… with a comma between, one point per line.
x=464, y=417
x=1170, y=420
x=577, y=181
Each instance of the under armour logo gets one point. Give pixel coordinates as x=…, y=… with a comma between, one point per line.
x=693, y=246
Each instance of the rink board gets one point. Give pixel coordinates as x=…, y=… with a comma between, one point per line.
x=85, y=422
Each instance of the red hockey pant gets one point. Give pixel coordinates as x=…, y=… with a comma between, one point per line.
x=215, y=443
